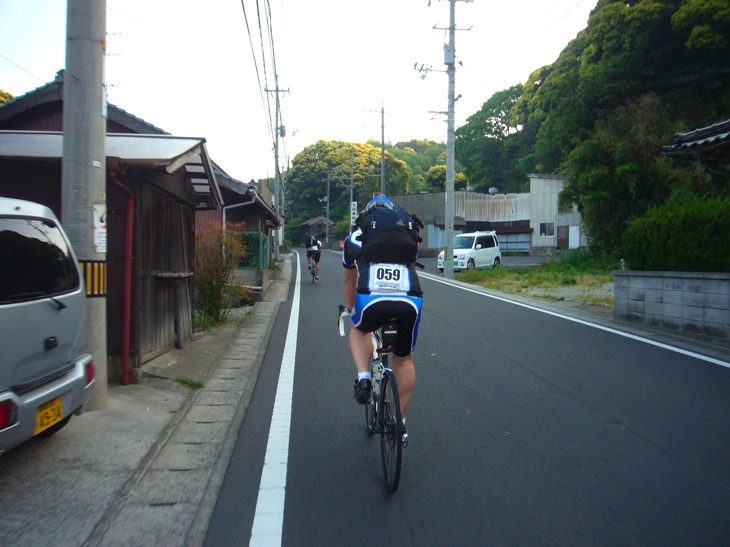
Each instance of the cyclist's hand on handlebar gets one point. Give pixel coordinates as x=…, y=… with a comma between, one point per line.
x=344, y=312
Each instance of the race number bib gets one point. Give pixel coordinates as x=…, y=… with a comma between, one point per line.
x=389, y=277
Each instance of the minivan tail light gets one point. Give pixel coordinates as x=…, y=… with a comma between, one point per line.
x=89, y=372
x=8, y=414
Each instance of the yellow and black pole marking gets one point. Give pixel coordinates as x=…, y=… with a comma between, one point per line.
x=94, y=272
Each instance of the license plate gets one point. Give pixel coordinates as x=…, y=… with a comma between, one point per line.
x=48, y=414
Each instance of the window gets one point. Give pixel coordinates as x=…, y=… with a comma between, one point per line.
x=464, y=242
x=35, y=261
x=547, y=229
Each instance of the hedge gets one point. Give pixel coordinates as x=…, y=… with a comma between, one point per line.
x=686, y=234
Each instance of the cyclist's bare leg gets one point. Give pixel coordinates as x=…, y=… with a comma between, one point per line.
x=361, y=348
x=317, y=262
x=405, y=376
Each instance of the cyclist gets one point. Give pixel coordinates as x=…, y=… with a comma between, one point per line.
x=371, y=304
x=314, y=253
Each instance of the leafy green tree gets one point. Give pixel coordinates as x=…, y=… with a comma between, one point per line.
x=420, y=156
x=480, y=143
x=436, y=179
x=551, y=112
x=640, y=72
x=338, y=163
x=618, y=173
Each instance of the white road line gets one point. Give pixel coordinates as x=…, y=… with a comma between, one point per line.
x=588, y=323
x=268, y=520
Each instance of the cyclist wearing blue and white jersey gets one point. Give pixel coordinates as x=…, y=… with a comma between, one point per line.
x=376, y=293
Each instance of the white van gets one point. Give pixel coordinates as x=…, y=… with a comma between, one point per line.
x=46, y=372
x=474, y=250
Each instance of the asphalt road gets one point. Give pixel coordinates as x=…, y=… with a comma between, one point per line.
x=526, y=428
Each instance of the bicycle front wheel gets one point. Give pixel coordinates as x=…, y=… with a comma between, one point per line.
x=391, y=430
x=371, y=412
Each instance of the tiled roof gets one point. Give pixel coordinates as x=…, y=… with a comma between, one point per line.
x=711, y=141
x=53, y=92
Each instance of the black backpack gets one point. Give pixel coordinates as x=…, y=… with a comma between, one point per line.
x=389, y=235
x=311, y=242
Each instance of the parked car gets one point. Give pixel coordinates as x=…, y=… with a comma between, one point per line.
x=46, y=371
x=474, y=250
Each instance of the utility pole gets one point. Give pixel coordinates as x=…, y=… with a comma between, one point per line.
x=353, y=208
x=327, y=227
x=382, y=148
x=449, y=61
x=83, y=171
x=277, y=180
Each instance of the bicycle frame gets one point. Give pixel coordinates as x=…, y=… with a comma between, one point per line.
x=382, y=410
x=312, y=268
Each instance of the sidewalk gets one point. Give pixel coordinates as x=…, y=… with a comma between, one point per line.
x=147, y=469
x=172, y=494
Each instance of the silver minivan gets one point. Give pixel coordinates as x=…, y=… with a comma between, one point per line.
x=46, y=372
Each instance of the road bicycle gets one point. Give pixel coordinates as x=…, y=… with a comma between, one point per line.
x=313, y=269
x=382, y=410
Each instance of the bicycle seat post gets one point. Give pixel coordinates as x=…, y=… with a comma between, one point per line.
x=390, y=335
x=376, y=372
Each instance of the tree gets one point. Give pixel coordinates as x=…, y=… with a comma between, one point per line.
x=5, y=96
x=618, y=173
x=642, y=71
x=338, y=162
x=436, y=179
x=480, y=143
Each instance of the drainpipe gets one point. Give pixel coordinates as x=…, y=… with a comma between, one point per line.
x=127, y=311
x=252, y=192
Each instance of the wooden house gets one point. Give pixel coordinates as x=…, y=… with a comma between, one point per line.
x=156, y=183
x=319, y=227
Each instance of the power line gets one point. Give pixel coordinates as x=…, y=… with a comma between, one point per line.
x=264, y=100
x=23, y=69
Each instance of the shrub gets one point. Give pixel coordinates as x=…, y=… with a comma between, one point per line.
x=688, y=233
x=217, y=253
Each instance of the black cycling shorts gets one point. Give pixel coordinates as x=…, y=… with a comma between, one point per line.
x=372, y=311
x=314, y=254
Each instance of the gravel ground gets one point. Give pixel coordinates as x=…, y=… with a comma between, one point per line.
x=585, y=295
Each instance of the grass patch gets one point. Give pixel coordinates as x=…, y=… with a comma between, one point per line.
x=575, y=275
x=204, y=321
x=189, y=382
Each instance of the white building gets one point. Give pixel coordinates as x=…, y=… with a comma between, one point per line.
x=527, y=222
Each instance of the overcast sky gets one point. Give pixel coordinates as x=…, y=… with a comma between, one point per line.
x=193, y=69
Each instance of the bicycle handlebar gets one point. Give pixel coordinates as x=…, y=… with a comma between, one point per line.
x=343, y=312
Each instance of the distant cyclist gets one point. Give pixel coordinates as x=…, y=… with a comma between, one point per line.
x=381, y=284
x=314, y=253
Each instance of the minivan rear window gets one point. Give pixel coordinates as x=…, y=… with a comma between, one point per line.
x=35, y=260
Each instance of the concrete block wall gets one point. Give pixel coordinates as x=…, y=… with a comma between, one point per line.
x=256, y=281
x=690, y=303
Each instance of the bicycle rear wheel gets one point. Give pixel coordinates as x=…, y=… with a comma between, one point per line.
x=391, y=426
